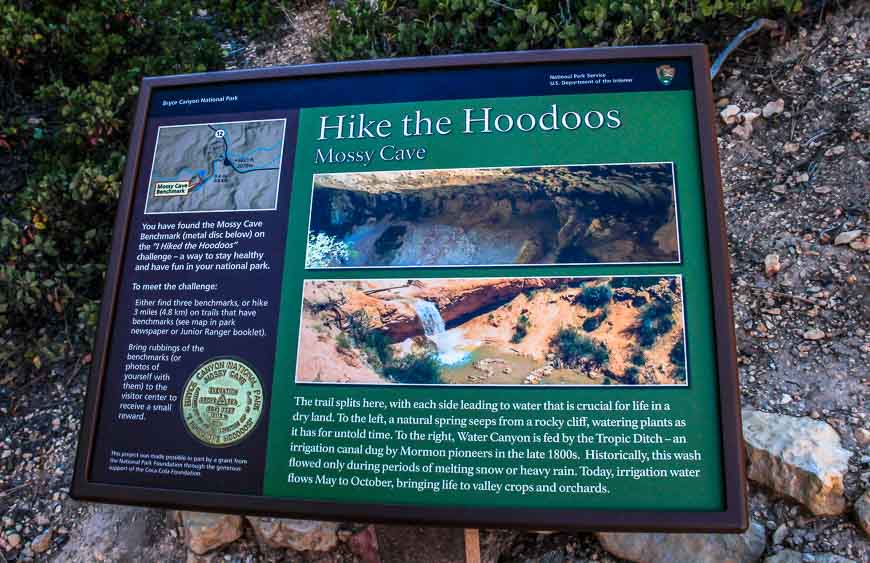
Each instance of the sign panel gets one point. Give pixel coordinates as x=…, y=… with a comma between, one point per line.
x=479, y=290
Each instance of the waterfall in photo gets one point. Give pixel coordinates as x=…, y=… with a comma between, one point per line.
x=433, y=324
x=450, y=343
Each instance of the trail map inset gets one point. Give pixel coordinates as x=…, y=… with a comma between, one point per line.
x=216, y=167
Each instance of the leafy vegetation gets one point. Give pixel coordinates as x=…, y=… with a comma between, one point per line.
x=593, y=322
x=634, y=282
x=373, y=343
x=69, y=77
x=596, y=296
x=246, y=16
x=656, y=319
x=521, y=329
x=415, y=368
x=342, y=342
x=432, y=27
x=638, y=358
x=573, y=347
x=325, y=250
x=631, y=376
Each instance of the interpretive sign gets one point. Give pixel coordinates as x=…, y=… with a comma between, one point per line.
x=478, y=290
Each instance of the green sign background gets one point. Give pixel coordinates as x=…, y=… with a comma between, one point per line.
x=656, y=127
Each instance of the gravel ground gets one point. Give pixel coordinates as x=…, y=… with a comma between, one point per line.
x=791, y=189
x=793, y=185
x=292, y=43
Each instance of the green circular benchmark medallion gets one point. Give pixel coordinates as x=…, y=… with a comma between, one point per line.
x=222, y=402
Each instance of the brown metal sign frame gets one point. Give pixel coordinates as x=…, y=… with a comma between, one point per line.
x=733, y=518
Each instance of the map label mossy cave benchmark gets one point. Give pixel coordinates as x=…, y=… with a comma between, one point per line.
x=477, y=290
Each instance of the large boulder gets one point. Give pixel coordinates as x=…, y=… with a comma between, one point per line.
x=686, y=548
x=797, y=457
x=301, y=535
x=204, y=531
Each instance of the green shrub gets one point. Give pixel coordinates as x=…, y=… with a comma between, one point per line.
x=431, y=27
x=656, y=319
x=375, y=344
x=69, y=77
x=634, y=282
x=631, y=376
x=342, y=342
x=595, y=296
x=591, y=323
x=638, y=358
x=521, y=329
x=423, y=368
x=244, y=16
x=572, y=347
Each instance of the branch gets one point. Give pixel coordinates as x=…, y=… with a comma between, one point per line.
x=761, y=23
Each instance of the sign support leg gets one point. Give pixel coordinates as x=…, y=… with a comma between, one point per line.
x=472, y=545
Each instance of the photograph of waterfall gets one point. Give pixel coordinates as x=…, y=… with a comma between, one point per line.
x=494, y=331
x=586, y=214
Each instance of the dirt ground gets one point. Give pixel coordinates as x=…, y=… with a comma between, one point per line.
x=791, y=186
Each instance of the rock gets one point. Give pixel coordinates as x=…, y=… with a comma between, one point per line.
x=791, y=148
x=364, y=544
x=773, y=108
x=814, y=334
x=14, y=540
x=42, y=542
x=398, y=318
x=861, y=244
x=862, y=436
x=530, y=252
x=204, y=531
x=730, y=113
x=862, y=511
x=301, y=535
x=743, y=131
x=97, y=536
x=694, y=548
x=791, y=556
x=771, y=265
x=780, y=534
x=847, y=236
x=798, y=457
x=749, y=116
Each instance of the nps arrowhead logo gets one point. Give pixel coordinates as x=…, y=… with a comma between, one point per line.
x=666, y=74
